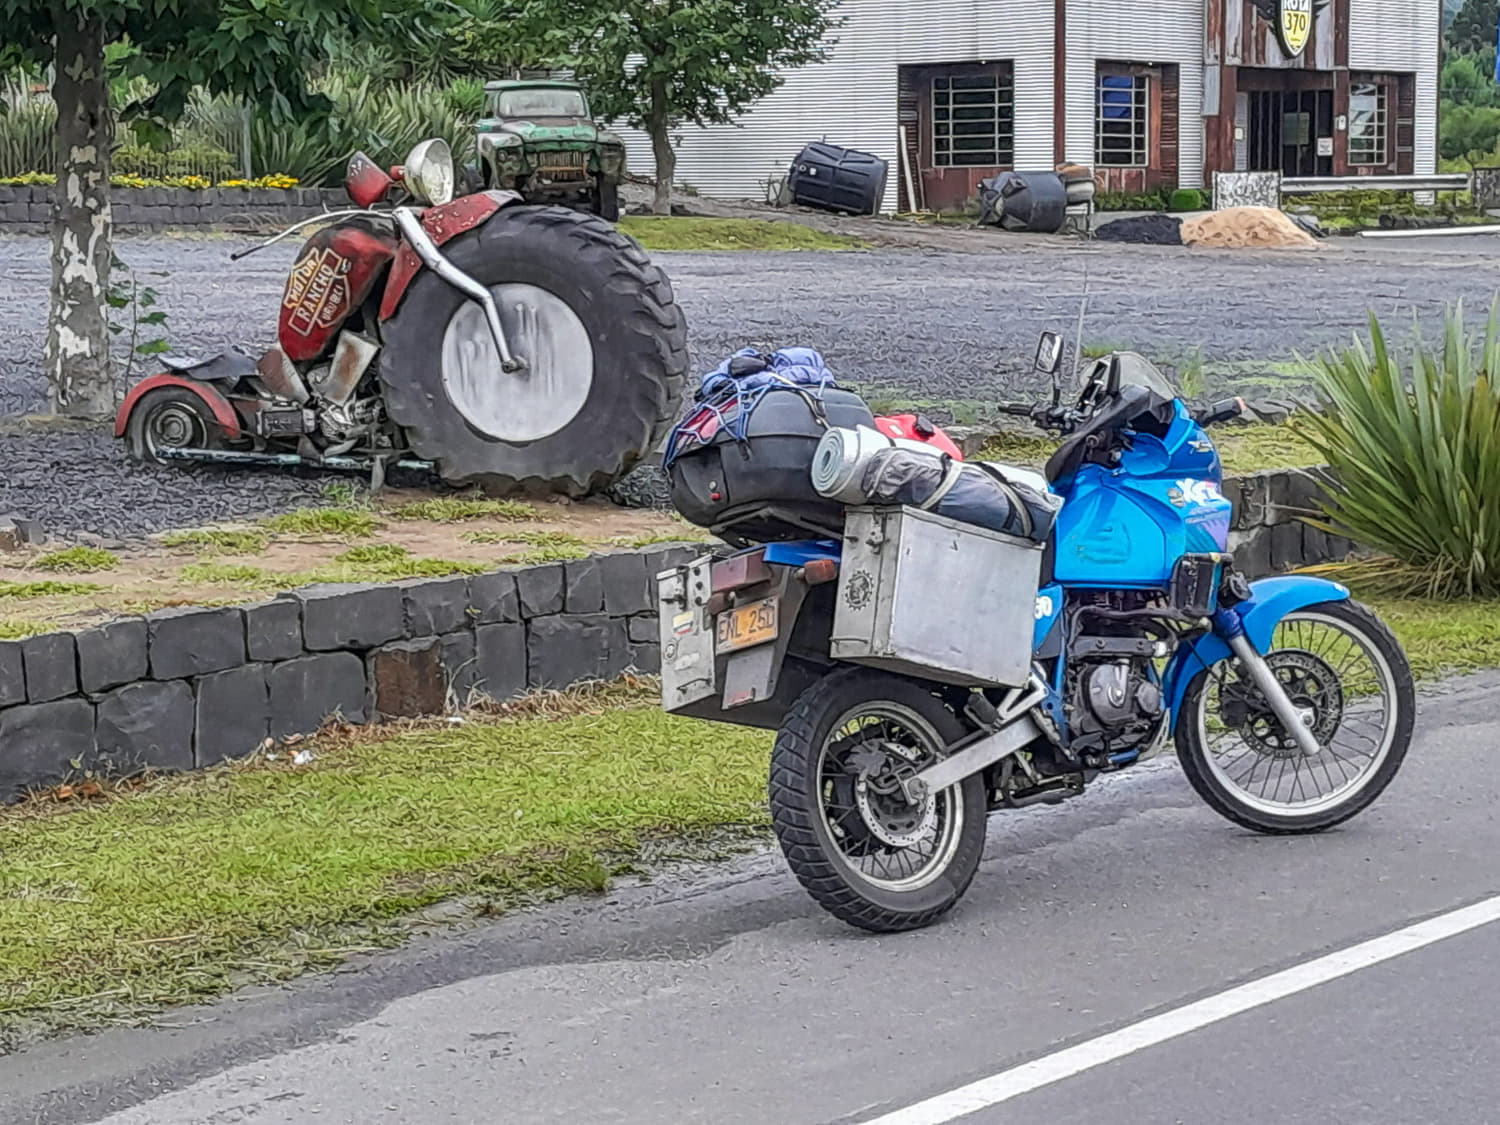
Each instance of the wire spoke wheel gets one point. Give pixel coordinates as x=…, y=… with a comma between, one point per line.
x=859, y=847
x=1344, y=672
x=879, y=834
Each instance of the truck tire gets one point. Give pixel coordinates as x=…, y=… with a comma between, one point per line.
x=596, y=323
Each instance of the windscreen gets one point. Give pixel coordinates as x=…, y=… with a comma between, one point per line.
x=1137, y=370
x=541, y=102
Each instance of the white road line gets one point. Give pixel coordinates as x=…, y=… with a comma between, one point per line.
x=1074, y=1060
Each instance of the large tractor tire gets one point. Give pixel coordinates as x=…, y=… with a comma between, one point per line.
x=604, y=342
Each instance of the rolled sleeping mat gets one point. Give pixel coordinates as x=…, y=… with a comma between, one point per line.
x=842, y=454
x=975, y=493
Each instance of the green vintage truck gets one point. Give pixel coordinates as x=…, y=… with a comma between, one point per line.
x=538, y=138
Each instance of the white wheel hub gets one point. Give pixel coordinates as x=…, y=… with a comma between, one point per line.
x=543, y=331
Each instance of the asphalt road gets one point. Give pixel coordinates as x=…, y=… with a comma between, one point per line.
x=725, y=996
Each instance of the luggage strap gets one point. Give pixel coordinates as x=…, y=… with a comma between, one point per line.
x=1028, y=525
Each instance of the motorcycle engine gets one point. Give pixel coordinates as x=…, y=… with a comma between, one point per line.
x=350, y=421
x=1115, y=707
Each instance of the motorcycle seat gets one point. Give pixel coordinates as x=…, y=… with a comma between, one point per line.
x=224, y=367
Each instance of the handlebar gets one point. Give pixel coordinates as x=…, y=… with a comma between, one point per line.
x=1219, y=412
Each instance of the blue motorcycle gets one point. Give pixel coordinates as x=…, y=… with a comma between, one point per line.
x=1290, y=704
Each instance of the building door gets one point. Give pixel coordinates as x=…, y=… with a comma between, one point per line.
x=1286, y=128
x=965, y=128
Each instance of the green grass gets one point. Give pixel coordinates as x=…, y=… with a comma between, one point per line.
x=201, y=882
x=46, y=589
x=1443, y=637
x=542, y=539
x=233, y=574
x=20, y=630
x=462, y=509
x=236, y=541
x=663, y=233
x=1242, y=449
x=658, y=538
x=341, y=523
x=374, y=553
x=384, y=562
x=78, y=560
x=554, y=554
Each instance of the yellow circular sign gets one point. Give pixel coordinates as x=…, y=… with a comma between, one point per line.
x=1294, y=20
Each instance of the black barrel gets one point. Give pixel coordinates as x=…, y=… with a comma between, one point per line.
x=837, y=179
x=1024, y=201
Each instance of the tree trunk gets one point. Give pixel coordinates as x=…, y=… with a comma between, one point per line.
x=661, y=148
x=77, y=325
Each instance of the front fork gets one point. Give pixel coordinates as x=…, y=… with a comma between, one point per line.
x=433, y=259
x=1294, y=720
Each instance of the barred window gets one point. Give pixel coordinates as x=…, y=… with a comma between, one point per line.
x=1122, y=121
x=973, y=120
x=1367, y=125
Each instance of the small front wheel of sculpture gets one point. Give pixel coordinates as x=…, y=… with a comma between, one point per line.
x=171, y=418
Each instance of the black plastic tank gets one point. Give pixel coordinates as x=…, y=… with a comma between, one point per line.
x=1024, y=201
x=837, y=179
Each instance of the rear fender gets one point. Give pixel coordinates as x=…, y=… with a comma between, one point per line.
x=1270, y=600
x=442, y=224
x=757, y=686
x=223, y=411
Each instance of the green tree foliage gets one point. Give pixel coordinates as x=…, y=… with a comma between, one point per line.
x=1470, y=133
x=1473, y=27
x=660, y=64
x=165, y=49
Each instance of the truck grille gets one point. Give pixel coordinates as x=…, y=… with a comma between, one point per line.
x=563, y=165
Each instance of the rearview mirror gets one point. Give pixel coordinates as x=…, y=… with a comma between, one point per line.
x=1049, y=351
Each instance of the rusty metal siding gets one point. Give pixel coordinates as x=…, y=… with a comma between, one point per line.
x=851, y=99
x=1138, y=31
x=1401, y=37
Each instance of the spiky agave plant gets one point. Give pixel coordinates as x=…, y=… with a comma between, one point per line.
x=1415, y=450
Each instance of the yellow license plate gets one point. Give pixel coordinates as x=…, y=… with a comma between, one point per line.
x=747, y=625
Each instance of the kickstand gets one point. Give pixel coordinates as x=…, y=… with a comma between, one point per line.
x=377, y=475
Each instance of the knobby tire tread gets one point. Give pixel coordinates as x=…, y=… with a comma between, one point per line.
x=624, y=274
x=793, y=758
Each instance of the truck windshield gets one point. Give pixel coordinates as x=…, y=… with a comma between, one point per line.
x=540, y=102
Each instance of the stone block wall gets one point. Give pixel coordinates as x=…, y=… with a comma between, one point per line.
x=187, y=688
x=29, y=209
x=1269, y=534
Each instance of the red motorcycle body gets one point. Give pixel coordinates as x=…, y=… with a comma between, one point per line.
x=334, y=276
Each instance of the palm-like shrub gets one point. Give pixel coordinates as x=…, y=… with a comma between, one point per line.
x=1415, y=449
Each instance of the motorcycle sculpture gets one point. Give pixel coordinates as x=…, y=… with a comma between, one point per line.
x=921, y=674
x=514, y=346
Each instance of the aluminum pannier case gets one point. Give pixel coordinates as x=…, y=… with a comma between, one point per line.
x=925, y=596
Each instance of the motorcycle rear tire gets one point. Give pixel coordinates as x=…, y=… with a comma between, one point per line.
x=635, y=328
x=797, y=814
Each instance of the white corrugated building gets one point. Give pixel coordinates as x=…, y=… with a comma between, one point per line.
x=1148, y=93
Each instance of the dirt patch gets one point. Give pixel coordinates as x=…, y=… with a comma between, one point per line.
x=44, y=588
x=1245, y=228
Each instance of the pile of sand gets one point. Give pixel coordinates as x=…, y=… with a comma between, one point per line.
x=1243, y=228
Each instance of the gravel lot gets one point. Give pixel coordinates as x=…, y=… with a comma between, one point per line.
x=939, y=327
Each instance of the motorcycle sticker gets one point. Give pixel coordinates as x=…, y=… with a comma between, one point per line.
x=1195, y=492
x=317, y=291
